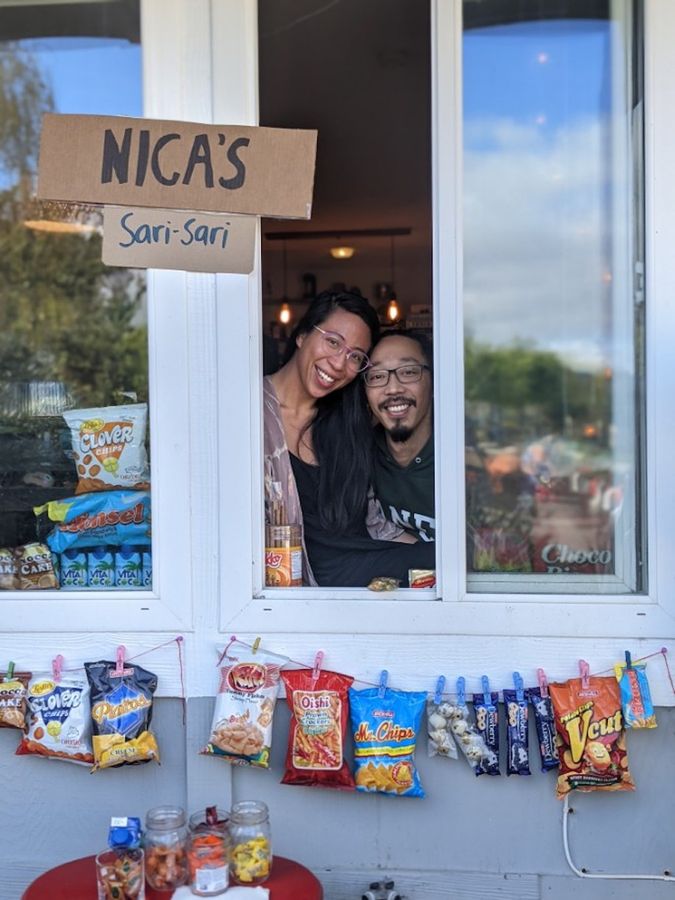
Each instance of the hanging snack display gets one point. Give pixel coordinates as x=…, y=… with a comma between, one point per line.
x=486, y=710
x=58, y=720
x=109, y=447
x=439, y=733
x=517, y=737
x=636, y=698
x=121, y=712
x=544, y=721
x=13, y=688
x=592, y=748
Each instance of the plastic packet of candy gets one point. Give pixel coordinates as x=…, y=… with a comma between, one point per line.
x=636, y=699
x=121, y=712
x=109, y=447
x=385, y=724
x=57, y=719
x=319, y=707
x=241, y=730
x=439, y=733
x=486, y=711
x=544, y=721
x=517, y=737
x=13, y=689
x=94, y=520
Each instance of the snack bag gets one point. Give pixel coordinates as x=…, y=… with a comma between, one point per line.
x=8, y=579
x=109, y=447
x=13, y=686
x=241, y=731
x=121, y=712
x=468, y=739
x=517, y=737
x=34, y=568
x=439, y=720
x=636, y=698
x=58, y=720
x=486, y=710
x=385, y=723
x=319, y=711
x=544, y=720
x=591, y=742
x=98, y=520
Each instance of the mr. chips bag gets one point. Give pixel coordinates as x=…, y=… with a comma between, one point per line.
x=589, y=723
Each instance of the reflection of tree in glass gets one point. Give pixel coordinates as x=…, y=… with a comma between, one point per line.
x=24, y=97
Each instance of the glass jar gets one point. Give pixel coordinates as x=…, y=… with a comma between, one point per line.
x=209, y=855
x=251, y=855
x=165, y=841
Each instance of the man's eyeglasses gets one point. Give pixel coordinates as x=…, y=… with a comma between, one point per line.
x=404, y=375
x=334, y=345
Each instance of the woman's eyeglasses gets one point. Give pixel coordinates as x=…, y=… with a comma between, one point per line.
x=334, y=344
x=404, y=375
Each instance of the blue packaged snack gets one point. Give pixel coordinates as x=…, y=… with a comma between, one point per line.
x=385, y=724
x=99, y=519
x=101, y=567
x=518, y=758
x=486, y=710
x=73, y=570
x=128, y=572
x=636, y=698
x=544, y=720
x=124, y=833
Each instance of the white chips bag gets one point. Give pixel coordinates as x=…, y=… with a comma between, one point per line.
x=109, y=447
x=58, y=720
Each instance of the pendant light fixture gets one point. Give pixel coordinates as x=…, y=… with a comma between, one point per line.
x=393, y=311
x=285, y=309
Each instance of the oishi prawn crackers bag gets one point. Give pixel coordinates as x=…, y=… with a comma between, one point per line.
x=109, y=447
x=241, y=731
x=591, y=742
x=319, y=713
x=57, y=719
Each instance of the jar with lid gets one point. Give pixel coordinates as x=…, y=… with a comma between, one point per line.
x=165, y=841
x=209, y=852
x=251, y=855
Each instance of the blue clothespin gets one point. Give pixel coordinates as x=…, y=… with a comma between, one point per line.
x=440, y=684
x=520, y=692
x=384, y=677
x=629, y=661
x=487, y=696
x=461, y=691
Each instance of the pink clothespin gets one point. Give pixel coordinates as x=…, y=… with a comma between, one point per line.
x=316, y=671
x=585, y=673
x=57, y=667
x=118, y=671
x=543, y=682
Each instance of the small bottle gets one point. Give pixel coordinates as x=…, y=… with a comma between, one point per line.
x=128, y=572
x=165, y=840
x=209, y=852
x=251, y=855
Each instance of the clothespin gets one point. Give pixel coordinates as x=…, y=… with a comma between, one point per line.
x=629, y=661
x=57, y=666
x=316, y=671
x=9, y=674
x=487, y=696
x=518, y=682
x=384, y=677
x=118, y=671
x=461, y=691
x=543, y=682
x=585, y=673
x=440, y=684
x=256, y=644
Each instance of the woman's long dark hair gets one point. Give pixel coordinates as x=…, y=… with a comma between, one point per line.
x=342, y=433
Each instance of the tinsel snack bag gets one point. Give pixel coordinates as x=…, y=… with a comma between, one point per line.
x=96, y=520
x=57, y=719
x=591, y=742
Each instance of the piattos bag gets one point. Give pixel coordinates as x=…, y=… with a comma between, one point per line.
x=57, y=719
x=592, y=749
x=319, y=713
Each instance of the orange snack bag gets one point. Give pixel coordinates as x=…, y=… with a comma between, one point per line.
x=591, y=745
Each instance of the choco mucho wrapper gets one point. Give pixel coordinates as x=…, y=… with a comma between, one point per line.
x=544, y=720
x=486, y=710
x=517, y=737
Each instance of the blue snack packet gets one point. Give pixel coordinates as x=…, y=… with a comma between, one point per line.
x=486, y=710
x=517, y=738
x=544, y=719
x=124, y=833
x=94, y=520
x=636, y=698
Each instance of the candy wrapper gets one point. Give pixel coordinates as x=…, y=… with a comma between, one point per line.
x=241, y=731
x=486, y=710
x=440, y=742
x=636, y=698
x=469, y=741
x=58, y=720
x=95, y=520
x=121, y=712
x=544, y=721
x=109, y=447
x=517, y=737
x=319, y=712
x=592, y=749
x=13, y=689
x=384, y=727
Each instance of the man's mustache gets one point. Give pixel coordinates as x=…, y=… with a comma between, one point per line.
x=392, y=401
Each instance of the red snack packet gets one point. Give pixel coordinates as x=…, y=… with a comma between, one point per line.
x=319, y=713
x=591, y=745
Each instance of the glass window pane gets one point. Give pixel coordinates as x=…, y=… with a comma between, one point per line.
x=553, y=297
x=73, y=333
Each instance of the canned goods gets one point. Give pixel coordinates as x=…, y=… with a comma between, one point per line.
x=283, y=555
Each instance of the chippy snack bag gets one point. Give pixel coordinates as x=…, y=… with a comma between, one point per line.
x=241, y=731
x=57, y=719
x=591, y=742
x=385, y=724
x=109, y=447
x=121, y=712
x=319, y=712
x=13, y=686
x=95, y=520
x=636, y=698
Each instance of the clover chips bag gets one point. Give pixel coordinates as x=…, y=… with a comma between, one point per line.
x=385, y=724
x=241, y=731
x=57, y=719
x=591, y=741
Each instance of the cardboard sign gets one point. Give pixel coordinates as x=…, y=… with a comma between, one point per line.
x=142, y=238
x=122, y=161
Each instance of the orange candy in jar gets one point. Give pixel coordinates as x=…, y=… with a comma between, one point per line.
x=209, y=852
x=165, y=839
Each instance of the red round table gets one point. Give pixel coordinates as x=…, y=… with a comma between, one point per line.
x=76, y=880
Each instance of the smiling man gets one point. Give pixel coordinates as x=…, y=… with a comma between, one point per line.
x=399, y=390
